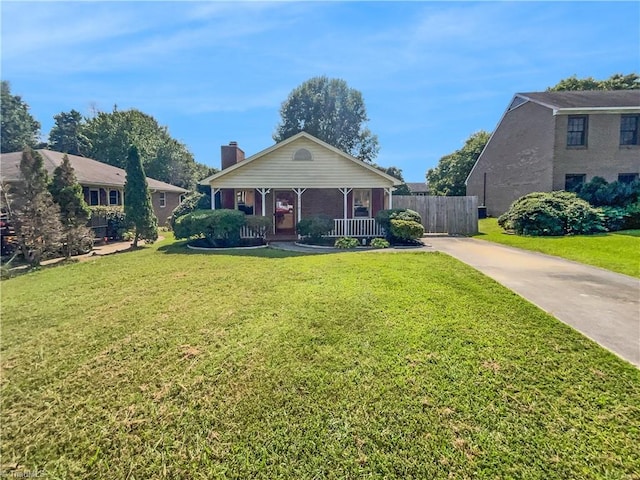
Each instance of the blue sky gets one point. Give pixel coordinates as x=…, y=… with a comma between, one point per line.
x=431, y=73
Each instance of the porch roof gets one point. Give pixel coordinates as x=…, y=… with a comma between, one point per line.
x=276, y=167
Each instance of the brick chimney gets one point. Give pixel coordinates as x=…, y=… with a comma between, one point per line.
x=230, y=155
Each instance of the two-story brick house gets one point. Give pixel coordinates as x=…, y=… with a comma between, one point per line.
x=549, y=141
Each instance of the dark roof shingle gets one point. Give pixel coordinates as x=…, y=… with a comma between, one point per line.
x=587, y=99
x=88, y=171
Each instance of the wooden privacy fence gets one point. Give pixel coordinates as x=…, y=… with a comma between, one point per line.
x=452, y=215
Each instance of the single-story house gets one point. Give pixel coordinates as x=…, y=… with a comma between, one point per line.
x=102, y=184
x=418, y=189
x=299, y=177
x=549, y=141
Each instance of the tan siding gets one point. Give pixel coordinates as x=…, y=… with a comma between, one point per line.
x=277, y=169
x=603, y=155
x=517, y=160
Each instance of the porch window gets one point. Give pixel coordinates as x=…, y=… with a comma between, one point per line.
x=114, y=197
x=163, y=199
x=94, y=197
x=361, y=202
x=245, y=201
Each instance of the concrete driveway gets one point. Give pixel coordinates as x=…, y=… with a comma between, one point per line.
x=603, y=305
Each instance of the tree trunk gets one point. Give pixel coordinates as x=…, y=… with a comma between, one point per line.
x=135, y=239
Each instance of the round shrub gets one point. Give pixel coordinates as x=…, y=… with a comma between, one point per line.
x=384, y=218
x=406, y=230
x=379, y=243
x=346, y=242
x=192, y=202
x=315, y=226
x=551, y=214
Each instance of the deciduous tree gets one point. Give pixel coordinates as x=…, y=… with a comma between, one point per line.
x=18, y=128
x=331, y=111
x=617, y=81
x=449, y=176
x=137, y=205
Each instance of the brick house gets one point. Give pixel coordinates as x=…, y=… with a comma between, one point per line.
x=299, y=177
x=102, y=184
x=549, y=141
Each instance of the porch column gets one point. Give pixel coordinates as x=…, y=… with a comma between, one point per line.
x=390, y=192
x=213, y=197
x=263, y=192
x=299, y=192
x=345, y=192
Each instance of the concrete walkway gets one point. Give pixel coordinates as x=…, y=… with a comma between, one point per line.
x=603, y=305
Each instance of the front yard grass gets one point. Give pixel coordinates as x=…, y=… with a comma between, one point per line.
x=167, y=363
x=616, y=251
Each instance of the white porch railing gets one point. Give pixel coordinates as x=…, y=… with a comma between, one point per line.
x=246, y=232
x=356, y=227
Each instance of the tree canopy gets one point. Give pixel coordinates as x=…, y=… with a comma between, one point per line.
x=18, y=128
x=617, y=81
x=66, y=135
x=106, y=137
x=449, y=176
x=331, y=111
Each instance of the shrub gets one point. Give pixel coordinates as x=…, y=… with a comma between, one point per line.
x=385, y=217
x=632, y=218
x=551, y=214
x=315, y=226
x=192, y=202
x=599, y=193
x=259, y=226
x=379, y=243
x=346, y=242
x=613, y=218
x=221, y=228
x=406, y=230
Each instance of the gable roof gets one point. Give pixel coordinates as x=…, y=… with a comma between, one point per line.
x=88, y=172
x=591, y=100
x=310, y=138
x=417, y=187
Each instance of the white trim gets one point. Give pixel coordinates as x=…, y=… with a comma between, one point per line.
x=263, y=192
x=213, y=197
x=587, y=110
x=299, y=192
x=345, y=192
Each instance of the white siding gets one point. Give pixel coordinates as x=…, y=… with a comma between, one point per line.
x=277, y=169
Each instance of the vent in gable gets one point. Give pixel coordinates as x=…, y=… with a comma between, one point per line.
x=302, y=154
x=517, y=102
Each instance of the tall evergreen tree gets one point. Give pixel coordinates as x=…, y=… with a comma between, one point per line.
x=36, y=217
x=66, y=135
x=18, y=128
x=137, y=200
x=74, y=211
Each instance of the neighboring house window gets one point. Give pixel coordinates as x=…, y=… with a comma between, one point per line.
x=361, y=203
x=163, y=199
x=182, y=197
x=577, y=131
x=302, y=154
x=573, y=180
x=114, y=197
x=627, y=177
x=629, y=126
x=245, y=201
x=94, y=197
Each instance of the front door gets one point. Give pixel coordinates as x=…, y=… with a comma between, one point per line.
x=285, y=212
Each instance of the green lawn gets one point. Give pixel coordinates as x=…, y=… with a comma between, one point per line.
x=618, y=251
x=164, y=363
